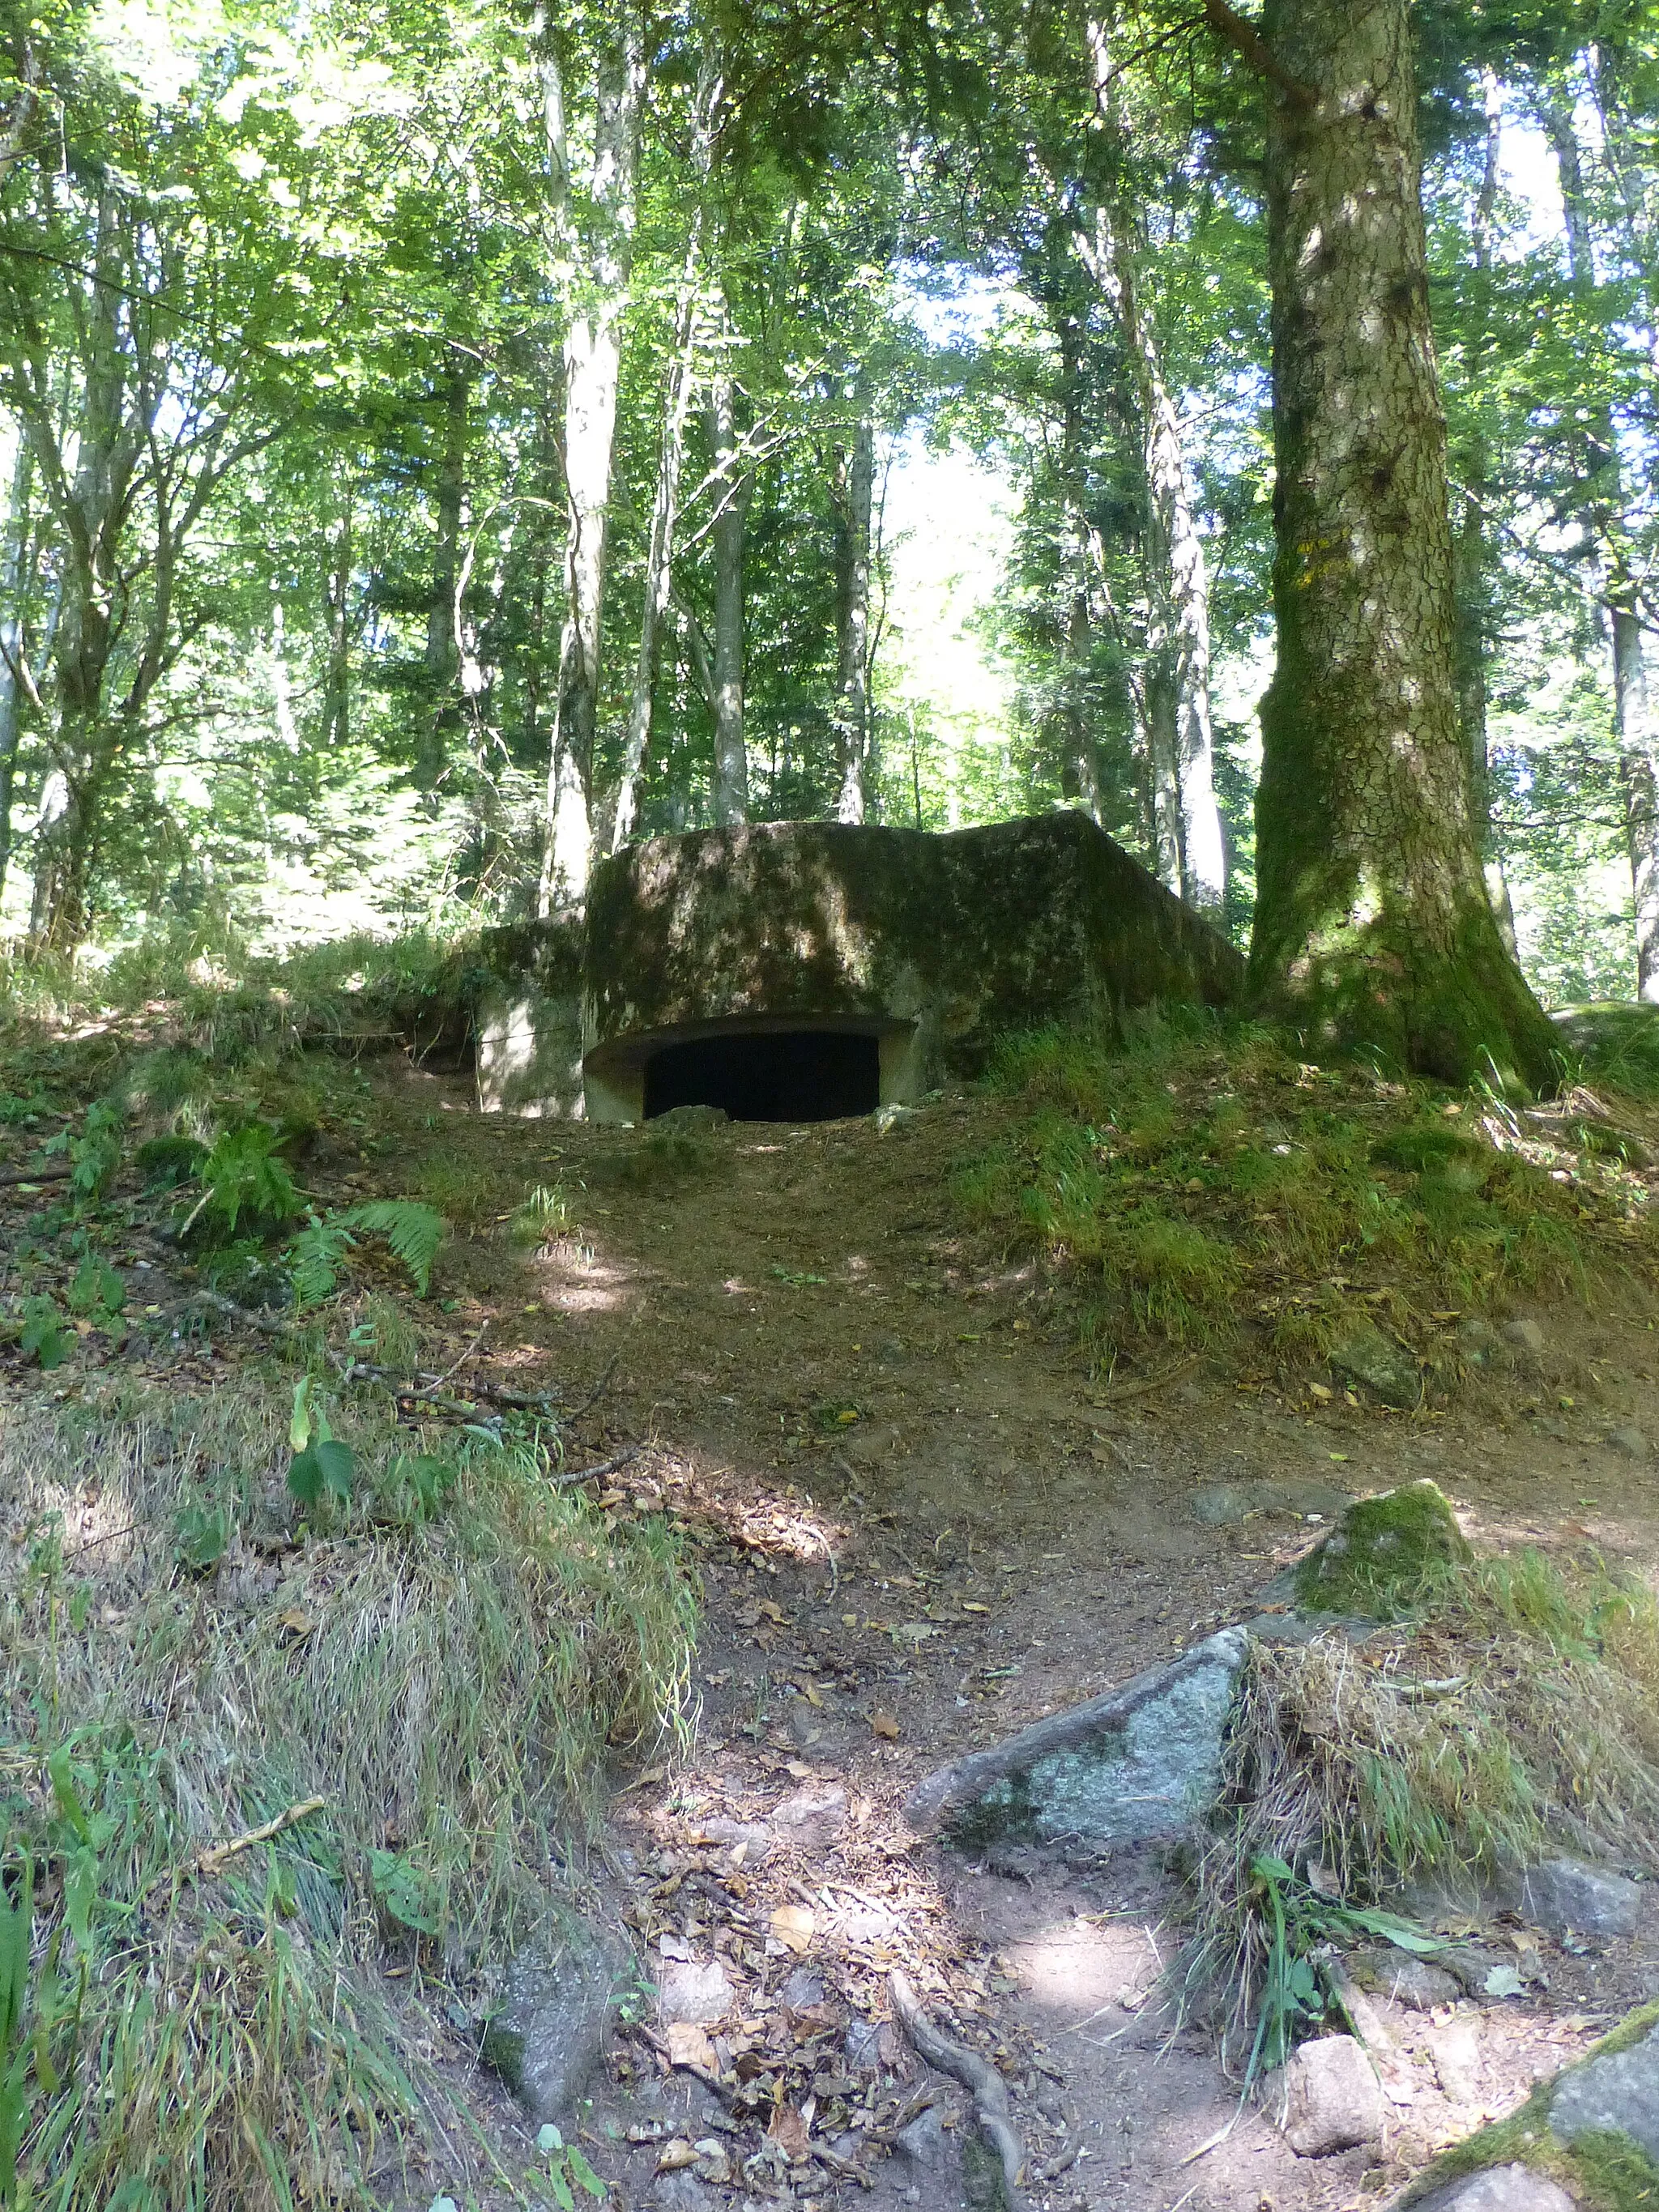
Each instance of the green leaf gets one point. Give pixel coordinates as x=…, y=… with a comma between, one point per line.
x=314, y=1260
x=561, y=2189
x=60, y=1771
x=404, y=1894
x=324, y=1466
x=413, y=1232
x=43, y=1336
x=585, y=2173
x=97, y=1289
x=201, y=1537
x=299, y=1427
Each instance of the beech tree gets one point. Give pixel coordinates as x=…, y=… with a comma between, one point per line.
x=1372, y=921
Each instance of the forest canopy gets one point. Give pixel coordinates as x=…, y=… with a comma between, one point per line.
x=442, y=444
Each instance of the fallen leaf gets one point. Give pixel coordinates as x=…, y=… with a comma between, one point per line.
x=675, y=2154
x=1504, y=1982
x=295, y=1622
x=689, y=2045
x=770, y=1607
x=884, y=1724
x=788, y=2130
x=799, y=1771
x=794, y=1924
x=915, y=1631
x=968, y=1606
x=673, y=1947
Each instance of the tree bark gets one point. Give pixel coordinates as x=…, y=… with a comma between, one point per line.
x=14, y=642
x=733, y=484
x=442, y=714
x=336, y=675
x=1372, y=925
x=1191, y=850
x=1635, y=737
x=660, y=555
x=593, y=363
x=855, y=488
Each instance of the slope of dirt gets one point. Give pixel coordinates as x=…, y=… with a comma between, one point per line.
x=920, y=1524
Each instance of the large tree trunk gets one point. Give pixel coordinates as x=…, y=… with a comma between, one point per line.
x=1372, y=922
x=1635, y=737
x=854, y=488
x=1473, y=556
x=732, y=485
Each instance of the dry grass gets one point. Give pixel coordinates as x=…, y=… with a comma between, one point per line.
x=451, y=1685
x=1520, y=1707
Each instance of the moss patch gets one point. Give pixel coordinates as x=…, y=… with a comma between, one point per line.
x=1382, y=1553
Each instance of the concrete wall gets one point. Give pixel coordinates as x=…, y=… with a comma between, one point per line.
x=936, y=943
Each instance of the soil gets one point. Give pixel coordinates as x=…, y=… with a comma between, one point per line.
x=920, y=1523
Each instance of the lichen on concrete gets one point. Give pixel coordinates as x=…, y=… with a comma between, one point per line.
x=1381, y=1553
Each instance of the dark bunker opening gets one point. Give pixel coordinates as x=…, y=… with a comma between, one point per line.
x=773, y=1075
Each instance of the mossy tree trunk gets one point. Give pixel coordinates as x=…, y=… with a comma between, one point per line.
x=1372, y=926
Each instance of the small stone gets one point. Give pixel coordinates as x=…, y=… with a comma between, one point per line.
x=1525, y=1335
x=1616, y=2092
x=923, y=2144
x=864, y=2043
x=1328, y=2097
x=689, y=1989
x=681, y=2191
x=754, y=1836
x=1378, y=1553
x=811, y=1816
x=1628, y=1442
x=1499, y=2189
x=1417, y=1983
x=803, y=1988
x=1363, y=1354
x=1455, y=2049
x=1565, y=1893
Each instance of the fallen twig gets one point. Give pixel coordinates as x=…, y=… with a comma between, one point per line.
x=976, y=2075
x=214, y=1858
x=57, y=1172
x=1151, y=1383
x=571, y=1476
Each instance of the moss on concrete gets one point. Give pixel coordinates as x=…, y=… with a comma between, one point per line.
x=1381, y=1553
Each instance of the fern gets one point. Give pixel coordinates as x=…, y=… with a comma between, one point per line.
x=314, y=1259
x=413, y=1231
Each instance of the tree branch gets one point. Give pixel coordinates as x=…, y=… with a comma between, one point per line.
x=1246, y=40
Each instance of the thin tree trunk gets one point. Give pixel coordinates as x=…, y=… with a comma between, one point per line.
x=1635, y=737
x=13, y=569
x=593, y=362
x=1372, y=923
x=1190, y=845
x=660, y=556
x=732, y=485
x=854, y=488
x=336, y=678
x=442, y=710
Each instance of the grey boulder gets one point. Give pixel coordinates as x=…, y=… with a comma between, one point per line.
x=1499, y=2189
x=1562, y=1894
x=547, y=2036
x=1128, y=1766
x=1616, y=2092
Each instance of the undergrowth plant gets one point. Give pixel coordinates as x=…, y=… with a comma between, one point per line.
x=1517, y=1709
x=200, y=2029
x=1199, y=1176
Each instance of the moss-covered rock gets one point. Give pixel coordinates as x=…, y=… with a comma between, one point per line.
x=1594, y=2129
x=1381, y=1553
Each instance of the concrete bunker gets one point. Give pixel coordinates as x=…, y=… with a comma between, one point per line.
x=799, y=971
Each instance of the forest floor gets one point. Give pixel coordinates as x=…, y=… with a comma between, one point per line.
x=919, y=1522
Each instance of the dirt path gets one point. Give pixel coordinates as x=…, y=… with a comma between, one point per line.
x=920, y=1525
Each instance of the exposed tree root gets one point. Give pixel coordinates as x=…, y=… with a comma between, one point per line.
x=976, y=2075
